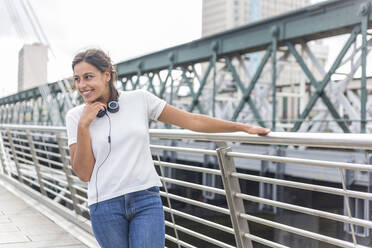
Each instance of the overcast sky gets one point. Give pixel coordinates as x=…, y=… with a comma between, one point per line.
x=125, y=29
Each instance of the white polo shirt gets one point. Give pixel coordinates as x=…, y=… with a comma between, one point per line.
x=129, y=166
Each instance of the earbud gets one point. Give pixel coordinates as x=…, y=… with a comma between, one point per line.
x=112, y=107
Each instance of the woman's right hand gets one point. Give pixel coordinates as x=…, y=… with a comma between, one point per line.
x=90, y=112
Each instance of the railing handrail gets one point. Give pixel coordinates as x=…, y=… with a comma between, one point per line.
x=329, y=140
x=325, y=140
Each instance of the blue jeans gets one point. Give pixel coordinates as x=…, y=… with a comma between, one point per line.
x=133, y=220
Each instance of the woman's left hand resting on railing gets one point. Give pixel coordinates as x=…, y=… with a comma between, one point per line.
x=206, y=124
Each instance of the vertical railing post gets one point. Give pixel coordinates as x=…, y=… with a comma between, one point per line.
x=169, y=203
x=214, y=48
x=19, y=173
x=235, y=204
x=2, y=155
x=364, y=12
x=66, y=169
x=36, y=162
x=274, y=33
x=279, y=174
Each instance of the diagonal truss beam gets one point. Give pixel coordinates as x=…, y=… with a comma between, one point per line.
x=189, y=84
x=195, y=99
x=247, y=92
x=151, y=85
x=313, y=81
x=320, y=88
x=164, y=83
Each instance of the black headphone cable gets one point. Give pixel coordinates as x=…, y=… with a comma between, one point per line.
x=108, y=154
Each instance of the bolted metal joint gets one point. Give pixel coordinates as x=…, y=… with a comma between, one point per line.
x=214, y=46
x=364, y=9
x=171, y=57
x=274, y=31
x=140, y=65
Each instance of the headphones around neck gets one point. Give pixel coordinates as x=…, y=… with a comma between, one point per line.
x=112, y=107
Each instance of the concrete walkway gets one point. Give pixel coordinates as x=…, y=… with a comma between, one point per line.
x=22, y=226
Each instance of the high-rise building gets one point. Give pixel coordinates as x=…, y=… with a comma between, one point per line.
x=220, y=15
x=32, y=66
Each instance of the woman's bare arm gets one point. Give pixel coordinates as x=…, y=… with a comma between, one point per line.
x=204, y=123
x=82, y=158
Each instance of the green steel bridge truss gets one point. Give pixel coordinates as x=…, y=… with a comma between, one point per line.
x=199, y=68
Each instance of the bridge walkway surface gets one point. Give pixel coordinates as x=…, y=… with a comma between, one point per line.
x=24, y=223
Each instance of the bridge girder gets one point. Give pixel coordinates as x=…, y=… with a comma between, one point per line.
x=198, y=66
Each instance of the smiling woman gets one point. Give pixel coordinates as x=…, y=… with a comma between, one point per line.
x=91, y=68
x=124, y=201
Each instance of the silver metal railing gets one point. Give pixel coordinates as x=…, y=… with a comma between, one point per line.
x=36, y=160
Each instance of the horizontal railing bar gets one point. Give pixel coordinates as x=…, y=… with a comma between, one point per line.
x=25, y=161
x=305, y=186
x=304, y=210
x=35, y=183
x=83, y=207
x=43, y=135
x=25, y=168
x=24, y=154
x=58, y=195
x=193, y=185
x=21, y=147
x=329, y=140
x=183, y=149
x=196, y=203
x=311, y=162
x=200, y=220
x=19, y=140
x=54, y=178
x=178, y=241
x=50, y=161
x=34, y=127
x=188, y=167
x=48, y=170
x=27, y=172
x=76, y=179
x=14, y=132
x=55, y=193
x=80, y=188
x=197, y=235
x=80, y=197
x=48, y=152
x=6, y=144
x=45, y=144
x=55, y=186
x=264, y=241
x=300, y=232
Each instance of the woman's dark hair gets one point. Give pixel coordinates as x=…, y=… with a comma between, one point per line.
x=102, y=62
